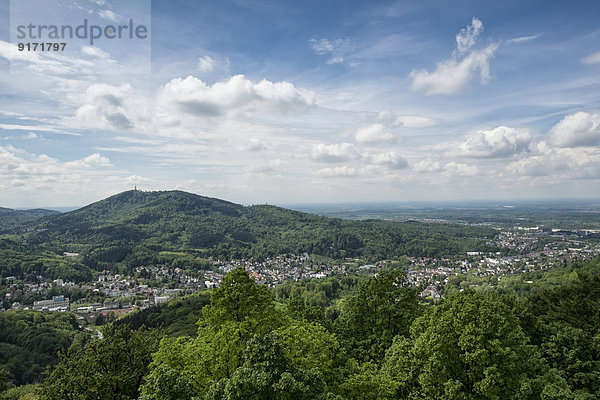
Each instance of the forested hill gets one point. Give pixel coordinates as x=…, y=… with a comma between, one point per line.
x=10, y=219
x=146, y=222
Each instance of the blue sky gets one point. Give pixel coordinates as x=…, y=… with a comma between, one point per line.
x=299, y=102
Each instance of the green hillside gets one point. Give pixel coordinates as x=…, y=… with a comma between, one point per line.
x=30, y=341
x=134, y=224
x=11, y=219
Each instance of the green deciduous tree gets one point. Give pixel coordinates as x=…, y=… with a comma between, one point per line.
x=109, y=368
x=239, y=309
x=367, y=382
x=311, y=347
x=470, y=346
x=383, y=308
x=564, y=322
x=268, y=373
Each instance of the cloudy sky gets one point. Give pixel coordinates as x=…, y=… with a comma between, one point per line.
x=306, y=101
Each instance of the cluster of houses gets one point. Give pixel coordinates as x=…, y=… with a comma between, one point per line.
x=431, y=274
x=281, y=269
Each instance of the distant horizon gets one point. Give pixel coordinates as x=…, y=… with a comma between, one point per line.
x=364, y=204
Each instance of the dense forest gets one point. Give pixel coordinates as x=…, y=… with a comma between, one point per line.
x=31, y=341
x=12, y=219
x=372, y=338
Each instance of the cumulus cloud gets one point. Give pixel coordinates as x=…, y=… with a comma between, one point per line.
x=566, y=163
x=428, y=165
x=390, y=159
x=94, y=160
x=336, y=49
x=193, y=96
x=105, y=106
x=206, y=64
x=593, y=58
x=571, y=151
x=579, y=129
x=24, y=169
x=343, y=171
x=172, y=110
x=334, y=152
x=538, y=165
x=499, y=142
x=460, y=169
x=373, y=133
x=457, y=73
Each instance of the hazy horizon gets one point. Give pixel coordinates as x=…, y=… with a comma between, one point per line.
x=390, y=204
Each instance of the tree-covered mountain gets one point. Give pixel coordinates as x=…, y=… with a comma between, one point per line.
x=11, y=219
x=133, y=225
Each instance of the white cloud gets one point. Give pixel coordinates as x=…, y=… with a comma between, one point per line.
x=457, y=73
x=564, y=163
x=572, y=151
x=254, y=144
x=276, y=165
x=36, y=128
x=466, y=38
x=579, y=129
x=413, y=121
x=593, y=58
x=172, y=110
x=390, y=159
x=522, y=39
x=97, y=52
x=343, y=171
x=428, y=165
x=106, y=107
x=28, y=136
x=206, y=64
x=460, y=169
x=334, y=152
x=453, y=76
x=537, y=165
x=94, y=160
x=38, y=171
x=10, y=113
x=499, y=142
x=336, y=48
x=110, y=15
x=193, y=96
x=373, y=133
x=406, y=121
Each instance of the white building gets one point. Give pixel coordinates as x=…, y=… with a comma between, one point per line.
x=58, y=303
